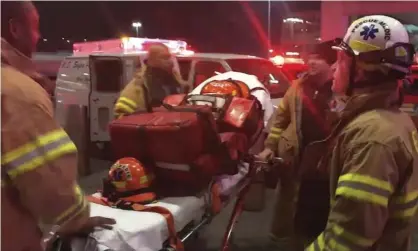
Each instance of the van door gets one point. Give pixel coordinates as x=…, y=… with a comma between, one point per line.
x=107, y=78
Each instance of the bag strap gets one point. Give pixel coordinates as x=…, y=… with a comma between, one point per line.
x=174, y=240
x=258, y=89
x=144, y=86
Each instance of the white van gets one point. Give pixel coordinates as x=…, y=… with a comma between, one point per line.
x=88, y=85
x=89, y=82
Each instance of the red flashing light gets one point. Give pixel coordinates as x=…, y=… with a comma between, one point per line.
x=127, y=45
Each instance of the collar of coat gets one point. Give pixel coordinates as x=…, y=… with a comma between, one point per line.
x=14, y=58
x=383, y=96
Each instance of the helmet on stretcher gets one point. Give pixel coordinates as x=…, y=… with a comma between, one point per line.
x=227, y=87
x=130, y=181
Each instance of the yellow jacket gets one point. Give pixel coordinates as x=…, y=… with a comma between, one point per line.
x=139, y=94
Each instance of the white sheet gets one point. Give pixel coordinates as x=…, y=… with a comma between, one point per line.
x=252, y=82
x=143, y=231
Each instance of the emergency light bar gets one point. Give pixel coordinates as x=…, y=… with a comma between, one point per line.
x=128, y=45
x=280, y=61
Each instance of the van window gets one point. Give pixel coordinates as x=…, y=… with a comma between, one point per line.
x=185, y=66
x=205, y=70
x=108, y=74
x=268, y=74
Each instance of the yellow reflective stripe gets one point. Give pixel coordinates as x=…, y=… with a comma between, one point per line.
x=74, y=210
x=335, y=246
x=273, y=136
x=124, y=107
x=351, y=237
x=276, y=130
x=368, y=180
x=31, y=146
x=405, y=206
x=41, y=160
x=275, y=133
x=318, y=244
x=362, y=196
x=364, y=188
x=45, y=148
x=143, y=179
x=409, y=197
x=128, y=102
x=407, y=213
x=281, y=105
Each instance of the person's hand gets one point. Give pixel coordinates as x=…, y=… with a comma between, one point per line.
x=265, y=155
x=96, y=222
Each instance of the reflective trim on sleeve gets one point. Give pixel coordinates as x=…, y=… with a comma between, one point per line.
x=44, y=149
x=126, y=104
x=364, y=188
x=73, y=211
x=275, y=133
x=339, y=239
x=124, y=108
x=345, y=240
x=318, y=244
x=405, y=206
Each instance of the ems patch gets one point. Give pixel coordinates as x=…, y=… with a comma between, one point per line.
x=369, y=31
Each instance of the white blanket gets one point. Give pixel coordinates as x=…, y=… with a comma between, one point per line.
x=144, y=231
x=252, y=82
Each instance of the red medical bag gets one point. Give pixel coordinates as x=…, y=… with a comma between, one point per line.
x=181, y=142
x=234, y=114
x=245, y=116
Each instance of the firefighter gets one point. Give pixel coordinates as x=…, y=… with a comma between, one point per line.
x=300, y=119
x=24, y=62
x=373, y=151
x=154, y=81
x=38, y=159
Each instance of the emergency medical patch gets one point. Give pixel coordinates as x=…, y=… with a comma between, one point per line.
x=369, y=31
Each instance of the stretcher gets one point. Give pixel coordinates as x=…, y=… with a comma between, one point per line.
x=144, y=231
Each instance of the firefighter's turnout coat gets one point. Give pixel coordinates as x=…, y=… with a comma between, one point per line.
x=38, y=162
x=374, y=182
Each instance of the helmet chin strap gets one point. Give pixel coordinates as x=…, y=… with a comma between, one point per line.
x=351, y=80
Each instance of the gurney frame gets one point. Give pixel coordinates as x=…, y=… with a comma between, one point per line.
x=239, y=192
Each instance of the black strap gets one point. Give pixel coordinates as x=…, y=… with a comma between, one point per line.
x=258, y=89
x=234, y=82
x=148, y=106
x=128, y=205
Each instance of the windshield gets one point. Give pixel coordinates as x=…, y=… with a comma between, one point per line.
x=266, y=72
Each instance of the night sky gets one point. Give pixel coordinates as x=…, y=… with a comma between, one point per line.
x=235, y=27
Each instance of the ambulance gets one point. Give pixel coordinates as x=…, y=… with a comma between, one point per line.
x=89, y=82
